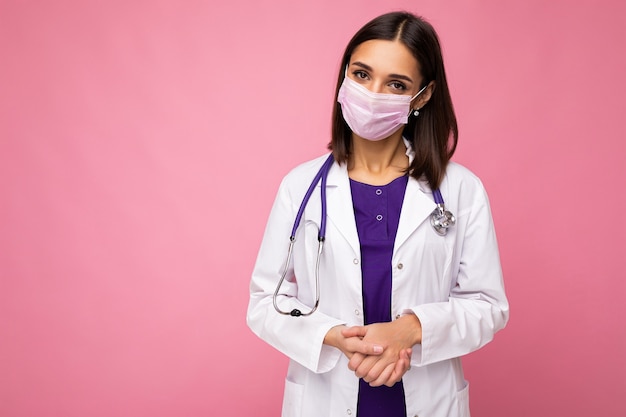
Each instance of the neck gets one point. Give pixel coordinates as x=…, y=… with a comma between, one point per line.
x=378, y=162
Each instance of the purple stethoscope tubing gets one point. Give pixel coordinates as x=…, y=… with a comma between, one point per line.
x=440, y=219
x=322, y=175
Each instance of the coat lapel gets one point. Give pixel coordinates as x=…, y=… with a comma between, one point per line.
x=417, y=206
x=340, y=208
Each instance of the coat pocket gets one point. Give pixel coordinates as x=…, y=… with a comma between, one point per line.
x=292, y=399
x=462, y=398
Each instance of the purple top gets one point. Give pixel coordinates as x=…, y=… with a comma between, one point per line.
x=377, y=214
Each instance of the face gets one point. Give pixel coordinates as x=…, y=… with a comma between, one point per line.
x=387, y=67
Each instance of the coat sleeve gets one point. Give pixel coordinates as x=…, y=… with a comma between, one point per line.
x=477, y=306
x=299, y=338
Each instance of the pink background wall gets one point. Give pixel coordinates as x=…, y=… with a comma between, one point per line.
x=142, y=142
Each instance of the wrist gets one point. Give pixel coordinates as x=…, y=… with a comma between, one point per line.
x=413, y=326
x=332, y=336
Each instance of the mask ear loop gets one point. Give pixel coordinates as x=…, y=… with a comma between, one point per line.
x=420, y=92
x=416, y=112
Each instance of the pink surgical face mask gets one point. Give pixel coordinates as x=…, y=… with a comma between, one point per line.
x=373, y=116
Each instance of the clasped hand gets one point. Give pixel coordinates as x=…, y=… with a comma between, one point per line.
x=380, y=353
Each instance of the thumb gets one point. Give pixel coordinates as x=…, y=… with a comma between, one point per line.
x=354, y=331
x=406, y=354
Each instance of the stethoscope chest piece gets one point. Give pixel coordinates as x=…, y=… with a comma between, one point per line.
x=442, y=220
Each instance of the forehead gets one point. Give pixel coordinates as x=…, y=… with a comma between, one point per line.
x=386, y=57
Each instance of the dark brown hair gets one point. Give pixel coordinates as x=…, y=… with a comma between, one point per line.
x=434, y=133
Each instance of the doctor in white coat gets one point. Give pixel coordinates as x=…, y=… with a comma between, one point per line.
x=393, y=121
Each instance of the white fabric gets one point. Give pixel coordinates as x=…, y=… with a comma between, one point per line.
x=453, y=284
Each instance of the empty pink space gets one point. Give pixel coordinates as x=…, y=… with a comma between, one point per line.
x=142, y=143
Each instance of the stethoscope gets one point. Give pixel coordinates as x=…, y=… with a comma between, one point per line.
x=440, y=219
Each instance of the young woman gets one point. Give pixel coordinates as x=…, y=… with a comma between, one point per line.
x=376, y=323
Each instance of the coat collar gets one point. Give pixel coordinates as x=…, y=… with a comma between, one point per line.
x=417, y=206
x=418, y=203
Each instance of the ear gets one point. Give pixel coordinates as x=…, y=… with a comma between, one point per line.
x=423, y=98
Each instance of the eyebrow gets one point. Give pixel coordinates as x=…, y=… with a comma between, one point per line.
x=367, y=67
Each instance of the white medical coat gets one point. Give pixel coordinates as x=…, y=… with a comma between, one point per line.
x=452, y=283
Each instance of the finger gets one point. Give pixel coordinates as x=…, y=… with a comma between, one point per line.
x=406, y=354
x=355, y=361
x=384, y=377
x=400, y=368
x=366, y=348
x=354, y=331
x=409, y=352
x=365, y=366
x=378, y=368
x=393, y=380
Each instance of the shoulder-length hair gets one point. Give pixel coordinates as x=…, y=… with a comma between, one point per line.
x=434, y=133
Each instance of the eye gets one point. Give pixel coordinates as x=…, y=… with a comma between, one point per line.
x=359, y=74
x=397, y=85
